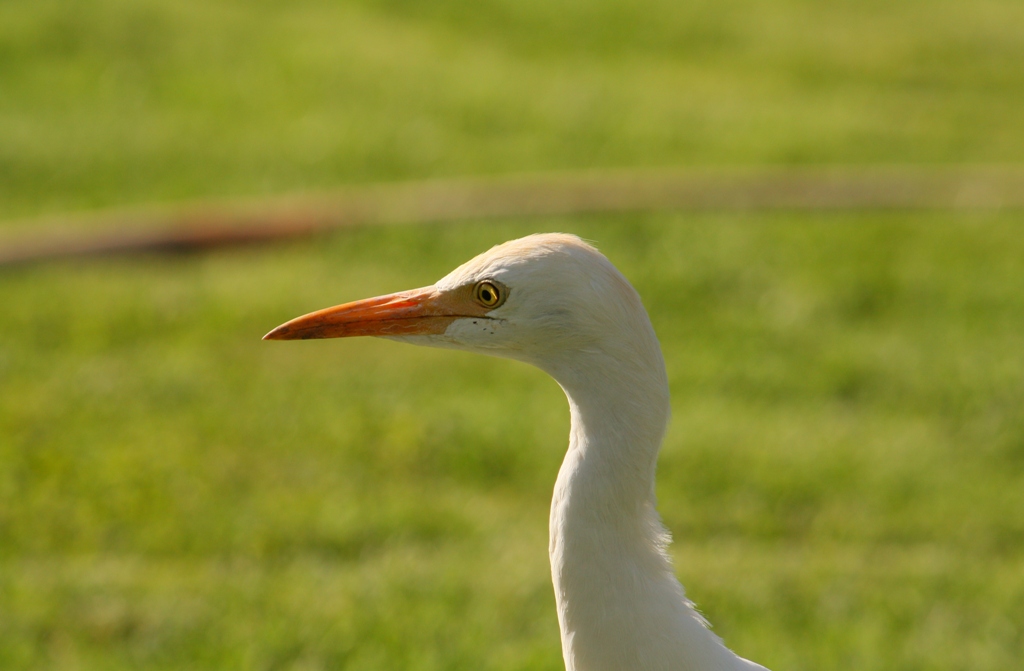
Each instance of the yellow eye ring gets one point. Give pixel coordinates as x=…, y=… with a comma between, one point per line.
x=488, y=294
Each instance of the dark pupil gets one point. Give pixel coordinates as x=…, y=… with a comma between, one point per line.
x=487, y=295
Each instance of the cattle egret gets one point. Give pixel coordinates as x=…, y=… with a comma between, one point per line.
x=555, y=302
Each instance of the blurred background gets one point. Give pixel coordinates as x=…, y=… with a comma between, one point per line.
x=844, y=475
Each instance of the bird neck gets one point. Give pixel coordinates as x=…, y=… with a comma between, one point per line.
x=619, y=412
x=619, y=603
x=619, y=406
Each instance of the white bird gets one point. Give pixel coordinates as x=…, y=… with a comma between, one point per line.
x=554, y=301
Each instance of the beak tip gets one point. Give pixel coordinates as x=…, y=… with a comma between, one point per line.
x=277, y=334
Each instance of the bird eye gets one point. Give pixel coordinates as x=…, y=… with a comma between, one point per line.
x=487, y=294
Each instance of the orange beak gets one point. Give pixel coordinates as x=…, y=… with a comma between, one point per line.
x=419, y=311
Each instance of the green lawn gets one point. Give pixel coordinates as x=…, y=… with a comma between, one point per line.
x=106, y=102
x=844, y=474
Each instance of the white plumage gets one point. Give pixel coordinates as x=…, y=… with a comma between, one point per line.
x=557, y=303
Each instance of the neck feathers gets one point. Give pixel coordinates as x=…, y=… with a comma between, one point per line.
x=619, y=603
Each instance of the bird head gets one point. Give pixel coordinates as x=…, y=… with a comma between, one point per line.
x=539, y=299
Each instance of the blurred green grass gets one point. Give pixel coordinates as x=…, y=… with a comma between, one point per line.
x=845, y=470
x=106, y=102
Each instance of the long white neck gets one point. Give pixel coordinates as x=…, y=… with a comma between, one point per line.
x=620, y=607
